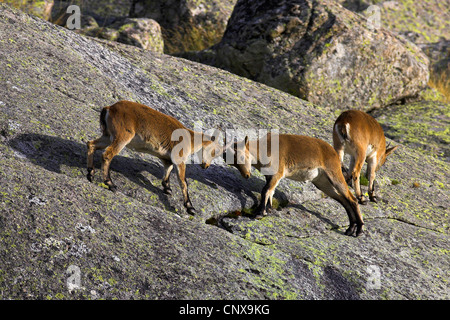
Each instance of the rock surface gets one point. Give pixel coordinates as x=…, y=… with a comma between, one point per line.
x=428, y=133
x=319, y=51
x=62, y=237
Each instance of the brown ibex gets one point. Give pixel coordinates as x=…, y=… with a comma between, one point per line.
x=299, y=158
x=144, y=129
x=360, y=135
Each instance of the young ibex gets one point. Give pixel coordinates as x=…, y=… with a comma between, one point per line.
x=144, y=129
x=361, y=136
x=299, y=158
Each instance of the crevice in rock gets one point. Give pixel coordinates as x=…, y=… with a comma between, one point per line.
x=404, y=221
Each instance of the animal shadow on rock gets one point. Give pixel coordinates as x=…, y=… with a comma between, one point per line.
x=51, y=153
x=334, y=226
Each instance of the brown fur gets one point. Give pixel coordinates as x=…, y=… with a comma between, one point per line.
x=301, y=158
x=144, y=129
x=360, y=135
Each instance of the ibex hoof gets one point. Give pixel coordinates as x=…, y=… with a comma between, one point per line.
x=191, y=211
x=373, y=199
x=112, y=187
x=90, y=174
x=359, y=230
x=167, y=191
x=354, y=227
x=260, y=214
x=350, y=230
x=362, y=200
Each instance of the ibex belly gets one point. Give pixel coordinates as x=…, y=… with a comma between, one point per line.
x=147, y=146
x=351, y=150
x=370, y=152
x=302, y=174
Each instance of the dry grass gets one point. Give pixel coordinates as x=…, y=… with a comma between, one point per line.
x=440, y=79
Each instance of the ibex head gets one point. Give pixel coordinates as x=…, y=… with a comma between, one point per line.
x=241, y=156
x=387, y=152
x=210, y=149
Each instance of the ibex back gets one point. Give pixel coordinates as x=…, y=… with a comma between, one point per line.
x=144, y=129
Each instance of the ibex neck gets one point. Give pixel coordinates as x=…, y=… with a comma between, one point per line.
x=196, y=140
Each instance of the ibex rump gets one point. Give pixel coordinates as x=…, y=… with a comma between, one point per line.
x=360, y=135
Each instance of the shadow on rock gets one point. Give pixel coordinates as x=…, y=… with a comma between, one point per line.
x=52, y=153
x=338, y=287
x=333, y=225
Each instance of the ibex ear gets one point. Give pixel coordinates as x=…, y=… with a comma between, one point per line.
x=390, y=150
x=246, y=141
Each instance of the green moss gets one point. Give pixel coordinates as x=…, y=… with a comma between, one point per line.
x=101, y=184
x=363, y=180
x=189, y=37
x=125, y=27
x=272, y=279
x=38, y=8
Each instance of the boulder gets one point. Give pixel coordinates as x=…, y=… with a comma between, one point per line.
x=425, y=23
x=187, y=24
x=419, y=21
x=321, y=52
x=140, y=32
x=63, y=237
x=104, y=11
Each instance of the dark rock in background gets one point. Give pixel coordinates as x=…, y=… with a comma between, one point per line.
x=188, y=25
x=319, y=51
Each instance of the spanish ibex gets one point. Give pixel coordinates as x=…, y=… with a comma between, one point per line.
x=299, y=158
x=360, y=135
x=144, y=129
